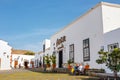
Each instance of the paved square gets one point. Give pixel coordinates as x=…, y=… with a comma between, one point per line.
x=29, y=75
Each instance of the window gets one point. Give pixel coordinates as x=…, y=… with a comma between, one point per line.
x=4, y=53
x=53, y=53
x=86, y=50
x=8, y=56
x=43, y=47
x=111, y=47
x=71, y=52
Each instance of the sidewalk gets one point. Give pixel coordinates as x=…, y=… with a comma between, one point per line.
x=106, y=74
x=12, y=71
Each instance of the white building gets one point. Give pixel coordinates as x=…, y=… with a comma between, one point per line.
x=81, y=40
x=20, y=59
x=46, y=44
x=38, y=58
x=111, y=41
x=46, y=50
x=5, y=55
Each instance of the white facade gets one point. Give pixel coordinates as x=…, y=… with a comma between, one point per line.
x=95, y=25
x=5, y=55
x=20, y=58
x=46, y=44
x=46, y=50
x=110, y=17
x=38, y=58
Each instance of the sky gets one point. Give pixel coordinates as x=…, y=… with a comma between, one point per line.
x=24, y=24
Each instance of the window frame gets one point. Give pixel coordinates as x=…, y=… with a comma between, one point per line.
x=43, y=47
x=71, y=51
x=110, y=50
x=86, y=49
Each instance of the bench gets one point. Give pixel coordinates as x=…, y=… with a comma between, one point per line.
x=89, y=71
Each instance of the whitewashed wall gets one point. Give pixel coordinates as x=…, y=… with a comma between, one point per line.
x=111, y=26
x=88, y=26
x=5, y=53
x=111, y=17
x=39, y=55
x=38, y=58
x=111, y=38
x=47, y=43
x=94, y=24
x=21, y=58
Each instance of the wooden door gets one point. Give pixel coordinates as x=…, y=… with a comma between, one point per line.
x=15, y=64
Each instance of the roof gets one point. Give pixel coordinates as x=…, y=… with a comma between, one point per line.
x=40, y=52
x=99, y=4
x=15, y=51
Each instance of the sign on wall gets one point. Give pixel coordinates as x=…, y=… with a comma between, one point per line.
x=61, y=40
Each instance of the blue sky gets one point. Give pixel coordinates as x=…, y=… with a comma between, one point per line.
x=24, y=24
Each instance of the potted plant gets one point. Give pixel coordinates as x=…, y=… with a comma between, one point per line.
x=69, y=62
x=47, y=60
x=53, y=59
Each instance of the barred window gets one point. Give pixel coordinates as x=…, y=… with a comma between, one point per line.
x=86, y=50
x=71, y=52
x=111, y=47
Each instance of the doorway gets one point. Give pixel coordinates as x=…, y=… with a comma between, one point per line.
x=15, y=63
x=26, y=64
x=60, y=58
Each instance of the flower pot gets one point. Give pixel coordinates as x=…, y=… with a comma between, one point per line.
x=69, y=67
x=48, y=65
x=53, y=66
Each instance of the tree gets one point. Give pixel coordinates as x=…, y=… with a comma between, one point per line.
x=110, y=59
x=69, y=61
x=29, y=53
x=53, y=60
x=47, y=60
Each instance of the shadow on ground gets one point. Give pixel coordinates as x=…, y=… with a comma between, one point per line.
x=77, y=77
